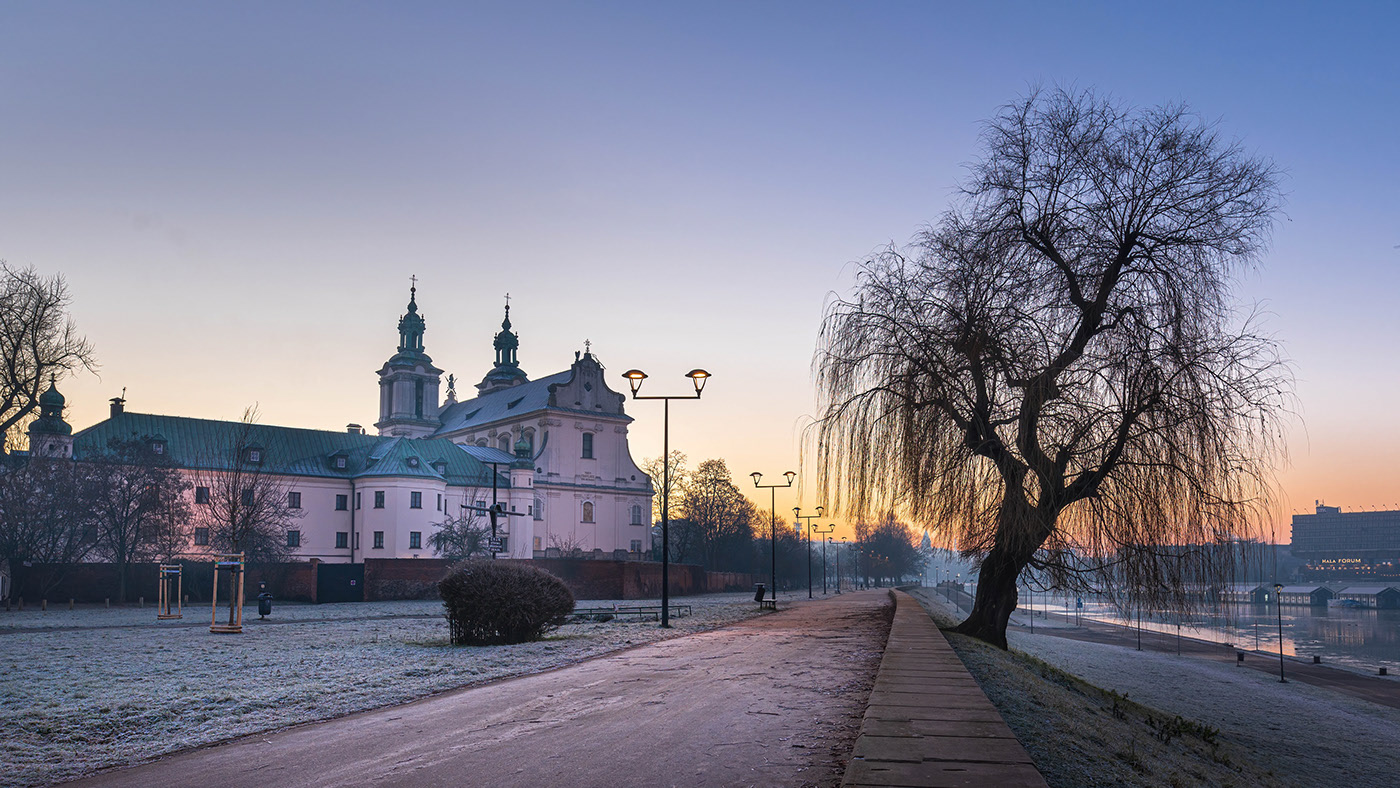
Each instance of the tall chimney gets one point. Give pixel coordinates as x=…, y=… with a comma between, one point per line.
x=118, y=406
x=354, y=429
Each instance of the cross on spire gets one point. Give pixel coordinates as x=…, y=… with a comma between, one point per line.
x=507, y=300
x=587, y=346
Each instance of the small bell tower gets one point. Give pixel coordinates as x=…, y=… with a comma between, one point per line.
x=408, y=381
x=50, y=435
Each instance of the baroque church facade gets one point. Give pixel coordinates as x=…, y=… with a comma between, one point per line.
x=552, y=452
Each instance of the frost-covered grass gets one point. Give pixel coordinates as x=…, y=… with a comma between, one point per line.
x=122, y=688
x=1093, y=714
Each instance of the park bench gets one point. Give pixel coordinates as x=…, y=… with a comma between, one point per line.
x=768, y=604
x=643, y=612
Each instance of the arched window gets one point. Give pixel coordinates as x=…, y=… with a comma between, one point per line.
x=588, y=445
x=636, y=514
x=588, y=511
x=538, y=511
x=503, y=443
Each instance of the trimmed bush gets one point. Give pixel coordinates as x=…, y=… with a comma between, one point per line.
x=498, y=602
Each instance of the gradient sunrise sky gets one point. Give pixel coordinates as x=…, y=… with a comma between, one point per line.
x=238, y=193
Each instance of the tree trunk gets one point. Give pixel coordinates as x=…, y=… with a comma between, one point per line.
x=121, y=581
x=996, y=598
x=996, y=580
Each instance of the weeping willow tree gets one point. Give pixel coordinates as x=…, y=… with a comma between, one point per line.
x=1058, y=372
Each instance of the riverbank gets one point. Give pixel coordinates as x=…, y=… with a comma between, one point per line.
x=1237, y=726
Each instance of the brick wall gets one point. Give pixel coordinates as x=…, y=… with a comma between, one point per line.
x=416, y=578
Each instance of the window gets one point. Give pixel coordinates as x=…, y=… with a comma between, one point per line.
x=439, y=503
x=294, y=538
x=481, y=504
x=379, y=540
x=538, y=509
x=415, y=540
x=636, y=545
x=588, y=511
x=157, y=448
x=254, y=455
x=503, y=443
x=340, y=463
x=201, y=495
x=413, y=462
x=342, y=502
x=588, y=445
x=415, y=500
x=342, y=540
x=357, y=500
x=537, y=543
x=636, y=515
x=505, y=548
x=379, y=499
x=201, y=536
x=247, y=497
x=293, y=500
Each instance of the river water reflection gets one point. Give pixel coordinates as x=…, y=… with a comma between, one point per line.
x=1359, y=638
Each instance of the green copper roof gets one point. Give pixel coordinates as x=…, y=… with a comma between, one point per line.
x=208, y=444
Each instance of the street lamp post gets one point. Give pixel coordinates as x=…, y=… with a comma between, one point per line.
x=821, y=532
x=634, y=379
x=773, y=524
x=800, y=517
x=844, y=545
x=1278, y=605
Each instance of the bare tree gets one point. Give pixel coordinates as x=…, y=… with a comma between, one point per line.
x=887, y=549
x=38, y=340
x=461, y=537
x=46, y=522
x=722, y=516
x=566, y=544
x=247, y=510
x=679, y=476
x=132, y=491
x=1057, y=372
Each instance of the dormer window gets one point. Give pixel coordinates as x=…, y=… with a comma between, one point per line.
x=340, y=463
x=157, y=447
x=413, y=462
x=253, y=455
x=440, y=466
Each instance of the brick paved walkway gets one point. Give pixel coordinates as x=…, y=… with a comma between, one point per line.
x=928, y=723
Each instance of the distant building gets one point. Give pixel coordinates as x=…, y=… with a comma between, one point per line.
x=1246, y=594
x=1379, y=597
x=553, y=451
x=1313, y=596
x=1347, y=545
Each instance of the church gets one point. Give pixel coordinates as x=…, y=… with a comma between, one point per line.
x=550, y=453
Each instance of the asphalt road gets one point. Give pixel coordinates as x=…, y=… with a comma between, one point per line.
x=773, y=701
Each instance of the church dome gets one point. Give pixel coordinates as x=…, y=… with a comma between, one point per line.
x=51, y=397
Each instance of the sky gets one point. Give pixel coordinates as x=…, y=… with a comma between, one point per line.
x=237, y=194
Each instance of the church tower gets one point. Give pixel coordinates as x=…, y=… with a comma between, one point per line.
x=50, y=435
x=507, y=372
x=408, y=381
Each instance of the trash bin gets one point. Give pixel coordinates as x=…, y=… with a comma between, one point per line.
x=758, y=592
x=264, y=605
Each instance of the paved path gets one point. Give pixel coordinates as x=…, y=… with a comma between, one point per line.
x=928, y=722
x=772, y=701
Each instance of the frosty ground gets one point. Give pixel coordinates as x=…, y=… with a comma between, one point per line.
x=1294, y=733
x=88, y=689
